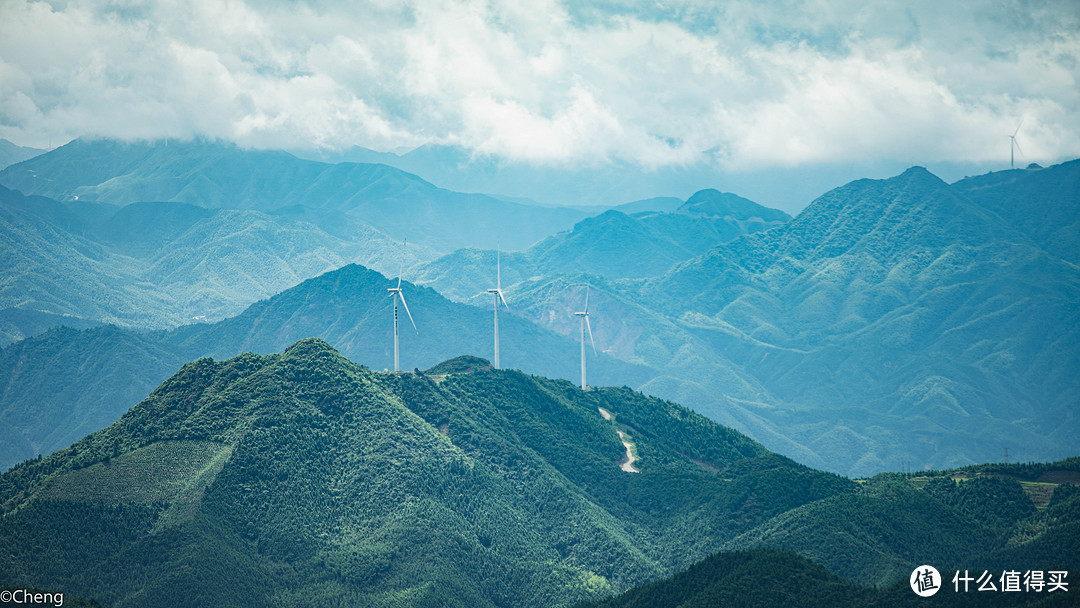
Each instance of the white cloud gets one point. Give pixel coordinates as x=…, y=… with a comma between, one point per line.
x=759, y=84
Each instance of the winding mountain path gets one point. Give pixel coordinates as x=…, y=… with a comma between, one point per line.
x=628, y=463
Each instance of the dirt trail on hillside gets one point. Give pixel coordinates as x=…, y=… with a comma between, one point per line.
x=627, y=464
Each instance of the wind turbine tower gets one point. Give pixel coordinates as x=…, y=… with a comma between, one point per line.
x=1013, y=146
x=584, y=316
x=395, y=292
x=498, y=295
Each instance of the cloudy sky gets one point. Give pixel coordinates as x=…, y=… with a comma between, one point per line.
x=652, y=84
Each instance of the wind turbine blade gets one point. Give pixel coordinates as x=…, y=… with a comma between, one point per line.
x=499, y=291
x=1017, y=144
x=498, y=271
x=1018, y=127
x=586, y=298
x=401, y=265
x=408, y=313
x=589, y=327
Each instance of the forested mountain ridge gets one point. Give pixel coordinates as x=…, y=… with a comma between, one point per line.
x=48, y=406
x=303, y=478
x=979, y=521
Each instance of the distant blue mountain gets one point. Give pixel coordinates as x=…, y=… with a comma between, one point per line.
x=612, y=244
x=160, y=264
x=11, y=153
x=608, y=184
x=902, y=320
x=219, y=175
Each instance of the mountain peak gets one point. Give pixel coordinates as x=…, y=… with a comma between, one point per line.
x=460, y=365
x=308, y=347
x=921, y=174
x=713, y=203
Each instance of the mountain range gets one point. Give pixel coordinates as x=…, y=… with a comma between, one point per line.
x=902, y=323
x=302, y=478
x=219, y=175
x=612, y=244
x=612, y=181
x=160, y=264
x=893, y=324
x=11, y=153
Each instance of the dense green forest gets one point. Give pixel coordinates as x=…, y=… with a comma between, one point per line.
x=763, y=578
x=304, y=479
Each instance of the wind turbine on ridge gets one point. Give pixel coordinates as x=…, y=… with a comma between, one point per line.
x=498, y=295
x=1013, y=146
x=584, y=316
x=396, y=293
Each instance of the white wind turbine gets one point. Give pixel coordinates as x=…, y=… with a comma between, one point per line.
x=395, y=292
x=498, y=295
x=1014, y=146
x=584, y=316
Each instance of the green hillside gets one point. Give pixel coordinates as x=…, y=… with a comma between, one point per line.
x=305, y=479
x=858, y=549
x=766, y=578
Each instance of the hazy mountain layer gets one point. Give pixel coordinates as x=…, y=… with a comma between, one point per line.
x=64, y=384
x=894, y=324
x=787, y=188
x=11, y=153
x=613, y=245
x=217, y=175
x=161, y=264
